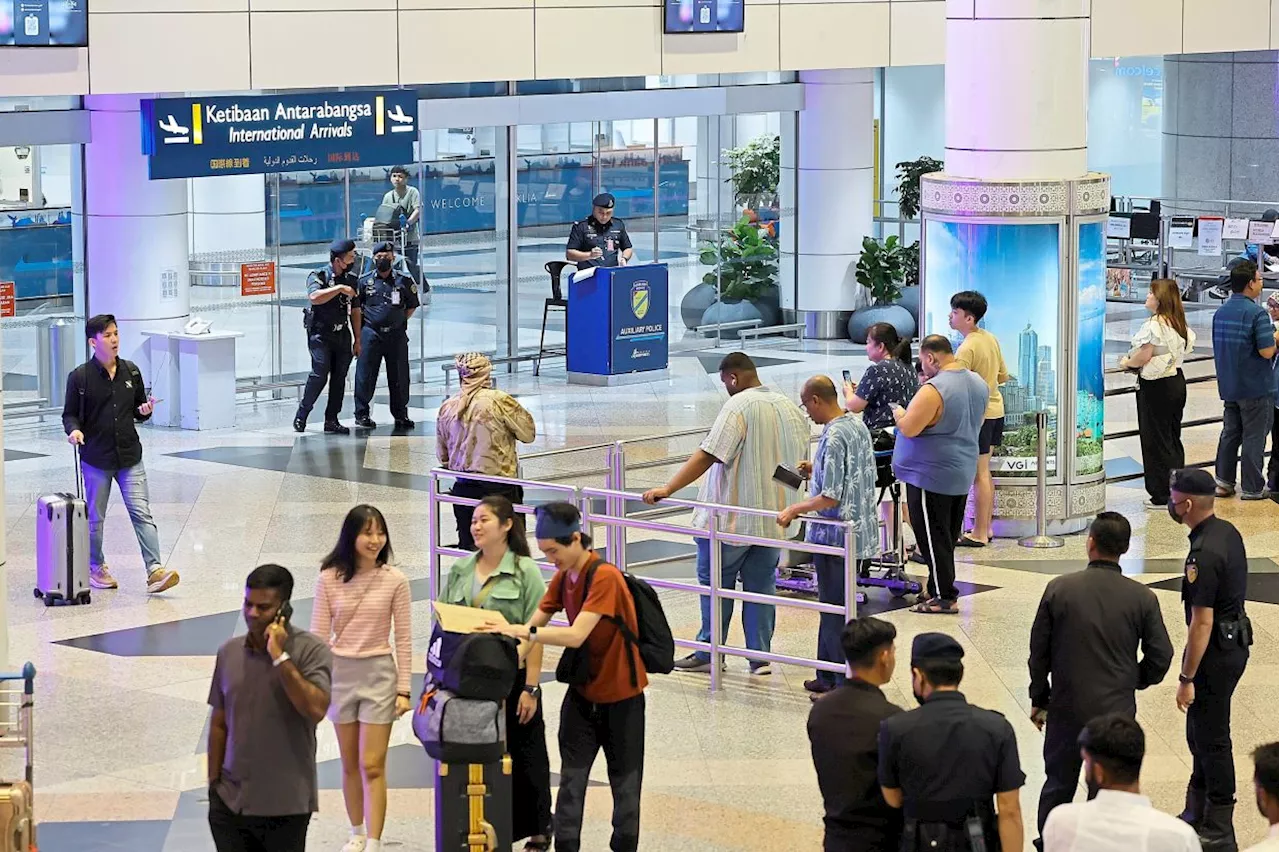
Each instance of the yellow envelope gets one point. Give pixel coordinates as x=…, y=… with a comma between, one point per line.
x=465, y=619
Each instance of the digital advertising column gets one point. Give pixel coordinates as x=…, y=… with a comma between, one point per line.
x=1036, y=250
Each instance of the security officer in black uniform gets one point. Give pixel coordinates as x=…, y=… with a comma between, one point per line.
x=945, y=761
x=599, y=239
x=331, y=291
x=1218, y=638
x=385, y=301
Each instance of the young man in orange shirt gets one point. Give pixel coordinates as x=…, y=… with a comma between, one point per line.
x=604, y=705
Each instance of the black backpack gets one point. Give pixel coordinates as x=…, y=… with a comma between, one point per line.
x=473, y=665
x=656, y=643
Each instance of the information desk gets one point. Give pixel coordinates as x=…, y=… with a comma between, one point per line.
x=194, y=379
x=617, y=325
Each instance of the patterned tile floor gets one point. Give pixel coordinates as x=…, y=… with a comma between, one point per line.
x=122, y=683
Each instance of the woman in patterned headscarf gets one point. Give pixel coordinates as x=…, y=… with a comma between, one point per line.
x=476, y=432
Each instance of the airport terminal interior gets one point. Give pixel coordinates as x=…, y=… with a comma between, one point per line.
x=1069, y=158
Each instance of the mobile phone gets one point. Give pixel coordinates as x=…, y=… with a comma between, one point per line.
x=848, y=377
x=788, y=477
x=286, y=612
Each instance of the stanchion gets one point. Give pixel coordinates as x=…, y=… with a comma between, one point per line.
x=1041, y=539
x=713, y=549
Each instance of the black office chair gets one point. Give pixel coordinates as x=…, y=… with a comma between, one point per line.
x=554, y=268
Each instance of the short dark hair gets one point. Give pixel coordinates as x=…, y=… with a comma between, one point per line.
x=937, y=344
x=565, y=513
x=1110, y=531
x=1242, y=276
x=97, y=324
x=1118, y=743
x=399, y=170
x=1265, y=768
x=863, y=638
x=737, y=362
x=941, y=672
x=342, y=559
x=971, y=302
x=271, y=576
x=887, y=336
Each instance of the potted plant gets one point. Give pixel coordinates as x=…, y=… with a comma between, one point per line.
x=745, y=273
x=881, y=269
x=754, y=171
x=909, y=174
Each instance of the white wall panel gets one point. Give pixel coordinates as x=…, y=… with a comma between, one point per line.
x=172, y=52
x=98, y=7
x=598, y=4
x=757, y=49
x=445, y=48
x=1275, y=24
x=278, y=66
x=1136, y=28
x=917, y=32
x=834, y=35
x=440, y=5
x=34, y=71
x=321, y=5
x=1210, y=26
x=1038, y=9
x=630, y=37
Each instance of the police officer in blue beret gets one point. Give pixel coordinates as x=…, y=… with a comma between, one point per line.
x=946, y=761
x=599, y=239
x=385, y=301
x=331, y=291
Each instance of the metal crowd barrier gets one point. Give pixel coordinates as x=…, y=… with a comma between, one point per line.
x=616, y=522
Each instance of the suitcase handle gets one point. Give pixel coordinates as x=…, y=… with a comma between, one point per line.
x=75, y=450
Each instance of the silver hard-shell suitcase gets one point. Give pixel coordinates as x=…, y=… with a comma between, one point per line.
x=62, y=546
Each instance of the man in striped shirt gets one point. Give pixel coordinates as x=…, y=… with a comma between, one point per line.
x=756, y=430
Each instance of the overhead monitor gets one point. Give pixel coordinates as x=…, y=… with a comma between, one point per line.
x=43, y=23
x=703, y=16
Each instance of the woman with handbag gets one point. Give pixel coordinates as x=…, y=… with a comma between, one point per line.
x=502, y=576
x=360, y=600
x=1158, y=349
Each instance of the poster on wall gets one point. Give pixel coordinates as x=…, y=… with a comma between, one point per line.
x=44, y=23
x=1181, y=231
x=703, y=16
x=1209, y=236
x=1091, y=301
x=1017, y=267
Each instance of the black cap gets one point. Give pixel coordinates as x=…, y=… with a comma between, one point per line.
x=935, y=646
x=337, y=248
x=385, y=246
x=1193, y=481
x=604, y=200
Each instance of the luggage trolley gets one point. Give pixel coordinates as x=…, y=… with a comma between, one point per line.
x=17, y=696
x=388, y=225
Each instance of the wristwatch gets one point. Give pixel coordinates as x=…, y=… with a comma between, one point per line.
x=280, y=659
x=1184, y=679
x=533, y=634
x=535, y=690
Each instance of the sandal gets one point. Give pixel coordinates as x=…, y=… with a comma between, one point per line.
x=936, y=606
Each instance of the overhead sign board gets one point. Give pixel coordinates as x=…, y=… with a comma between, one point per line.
x=44, y=23
x=201, y=137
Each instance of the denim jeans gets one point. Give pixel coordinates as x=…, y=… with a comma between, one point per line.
x=1245, y=425
x=757, y=568
x=829, y=571
x=133, y=488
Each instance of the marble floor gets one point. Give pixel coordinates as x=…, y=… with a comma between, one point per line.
x=120, y=698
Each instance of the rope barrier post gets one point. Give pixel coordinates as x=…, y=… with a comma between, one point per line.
x=850, y=573
x=618, y=508
x=1042, y=539
x=713, y=623
x=433, y=535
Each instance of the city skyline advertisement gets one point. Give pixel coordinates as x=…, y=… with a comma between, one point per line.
x=1090, y=337
x=1017, y=267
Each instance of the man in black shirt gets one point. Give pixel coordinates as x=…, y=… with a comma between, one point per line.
x=105, y=398
x=330, y=292
x=843, y=727
x=599, y=239
x=1218, y=638
x=945, y=761
x=1084, y=646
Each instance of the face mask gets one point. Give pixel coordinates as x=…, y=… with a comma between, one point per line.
x=1172, y=507
x=384, y=264
x=918, y=697
x=347, y=267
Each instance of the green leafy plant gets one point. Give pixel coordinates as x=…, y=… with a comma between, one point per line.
x=911, y=264
x=755, y=169
x=745, y=261
x=909, y=174
x=881, y=270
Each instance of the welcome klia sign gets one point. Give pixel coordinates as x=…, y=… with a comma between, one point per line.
x=201, y=137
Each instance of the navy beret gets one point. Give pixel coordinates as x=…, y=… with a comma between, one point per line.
x=385, y=246
x=935, y=646
x=1193, y=481
x=340, y=247
x=604, y=200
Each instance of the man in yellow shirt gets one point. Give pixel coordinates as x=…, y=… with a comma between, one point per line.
x=980, y=352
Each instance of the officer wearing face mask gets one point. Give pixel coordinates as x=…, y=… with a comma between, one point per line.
x=385, y=301
x=1219, y=634
x=330, y=291
x=946, y=761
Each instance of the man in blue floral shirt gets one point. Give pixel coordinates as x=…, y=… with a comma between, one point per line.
x=842, y=484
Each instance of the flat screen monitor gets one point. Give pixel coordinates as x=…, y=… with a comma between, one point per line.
x=44, y=23
x=703, y=16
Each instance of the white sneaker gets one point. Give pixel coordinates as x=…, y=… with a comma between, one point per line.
x=161, y=579
x=762, y=670
x=355, y=843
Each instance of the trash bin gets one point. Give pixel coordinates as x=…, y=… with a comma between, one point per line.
x=60, y=349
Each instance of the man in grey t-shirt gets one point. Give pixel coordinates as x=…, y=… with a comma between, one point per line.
x=270, y=689
x=406, y=197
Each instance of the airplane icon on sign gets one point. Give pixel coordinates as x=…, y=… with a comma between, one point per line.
x=401, y=123
x=181, y=134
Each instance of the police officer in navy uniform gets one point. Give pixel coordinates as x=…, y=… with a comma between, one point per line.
x=599, y=239
x=1218, y=638
x=945, y=761
x=331, y=292
x=385, y=301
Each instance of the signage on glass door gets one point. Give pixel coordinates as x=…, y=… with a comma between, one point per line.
x=43, y=23
x=201, y=137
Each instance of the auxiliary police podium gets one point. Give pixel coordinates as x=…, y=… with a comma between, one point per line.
x=617, y=325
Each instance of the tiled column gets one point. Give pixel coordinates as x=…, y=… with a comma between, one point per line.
x=229, y=214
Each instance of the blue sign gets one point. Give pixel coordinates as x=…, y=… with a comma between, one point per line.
x=638, y=319
x=200, y=137
x=43, y=23
x=703, y=16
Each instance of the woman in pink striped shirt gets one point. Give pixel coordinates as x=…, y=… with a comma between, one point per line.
x=359, y=597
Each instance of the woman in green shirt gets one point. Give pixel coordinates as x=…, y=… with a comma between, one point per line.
x=502, y=576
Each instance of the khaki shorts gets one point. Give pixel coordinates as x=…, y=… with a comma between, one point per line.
x=364, y=690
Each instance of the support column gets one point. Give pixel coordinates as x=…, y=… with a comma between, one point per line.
x=1017, y=216
x=135, y=229
x=4, y=570
x=832, y=171
x=228, y=214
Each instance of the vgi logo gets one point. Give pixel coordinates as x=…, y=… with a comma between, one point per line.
x=640, y=299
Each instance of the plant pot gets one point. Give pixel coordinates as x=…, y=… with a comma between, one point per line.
x=910, y=299
x=896, y=315
x=695, y=304
x=737, y=311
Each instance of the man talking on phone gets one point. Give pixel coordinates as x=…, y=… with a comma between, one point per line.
x=270, y=689
x=599, y=239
